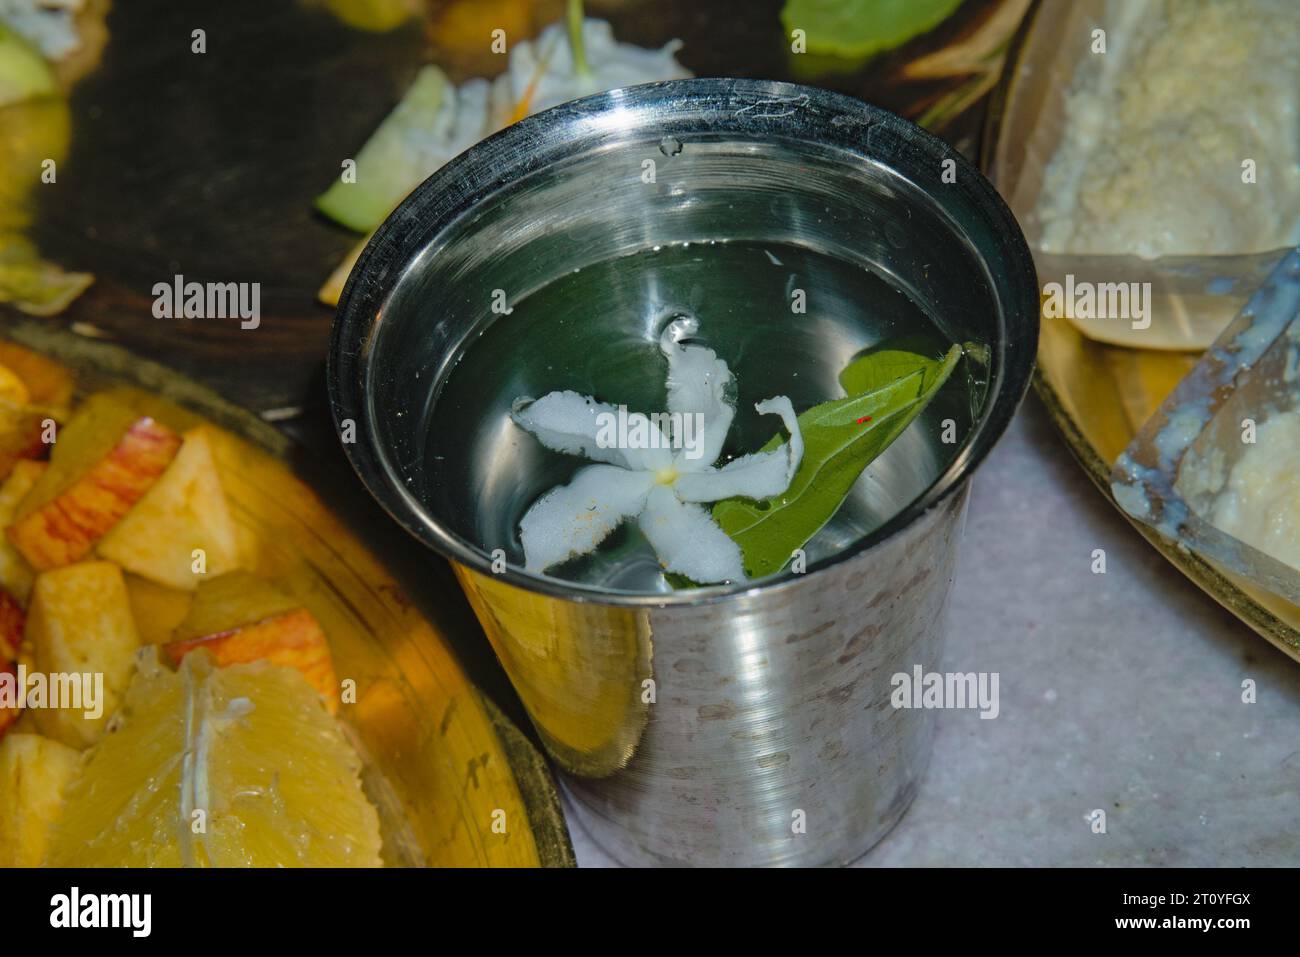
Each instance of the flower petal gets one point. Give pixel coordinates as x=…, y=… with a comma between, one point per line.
x=579, y=425
x=688, y=541
x=697, y=385
x=573, y=519
x=758, y=476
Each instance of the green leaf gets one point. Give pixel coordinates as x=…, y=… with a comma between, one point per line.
x=841, y=438
x=857, y=28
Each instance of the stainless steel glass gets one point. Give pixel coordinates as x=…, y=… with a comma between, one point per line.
x=730, y=725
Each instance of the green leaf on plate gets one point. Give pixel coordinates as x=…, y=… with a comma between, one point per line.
x=856, y=28
x=888, y=389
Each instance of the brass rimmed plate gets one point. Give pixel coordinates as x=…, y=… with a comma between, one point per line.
x=1099, y=395
x=455, y=782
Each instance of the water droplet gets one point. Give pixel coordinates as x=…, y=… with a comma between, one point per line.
x=670, y=146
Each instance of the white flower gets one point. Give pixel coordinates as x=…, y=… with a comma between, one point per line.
x=542, y=73
x=657, y=487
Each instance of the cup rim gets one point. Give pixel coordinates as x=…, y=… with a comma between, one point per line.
x=745, y=108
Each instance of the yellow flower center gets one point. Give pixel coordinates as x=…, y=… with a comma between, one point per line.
x=666, y=476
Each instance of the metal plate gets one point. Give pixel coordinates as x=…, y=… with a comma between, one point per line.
x=1099, y=395
x=442, y=762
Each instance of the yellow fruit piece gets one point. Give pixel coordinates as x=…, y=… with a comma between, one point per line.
x=251, y=747
x=34, y=771
x=231, y=601
x=183, y=514
x=156, y=608
x=15, y=574
x=12, y=388
x=79, y=622
x=49, y=384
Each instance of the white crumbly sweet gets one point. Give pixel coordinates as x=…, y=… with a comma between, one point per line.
x=1261, y=502
x=1158, y=127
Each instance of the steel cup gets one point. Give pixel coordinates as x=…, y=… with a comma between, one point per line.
x=729, y=725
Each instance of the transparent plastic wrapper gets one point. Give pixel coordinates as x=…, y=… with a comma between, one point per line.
x=1172, y=474
x=1192, y=297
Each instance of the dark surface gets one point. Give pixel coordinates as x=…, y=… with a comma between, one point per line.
x=206, y=164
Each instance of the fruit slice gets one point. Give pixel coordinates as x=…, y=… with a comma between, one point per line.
x=20, y=434
x=12, y=388
x=11, y=709
x=396, y=158
x=157, y=609
x=219, y=767
x=80, y=623
x=15, y=574
x=184, y=511
x=103, y=462
x=23, y=71
x=12, y=620
x=11, y=638
x=34, y=773
x=240, y=618
x=48, y=384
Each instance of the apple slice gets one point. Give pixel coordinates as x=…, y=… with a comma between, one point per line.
x=15, y=574
x=185, y=511
x=104, y=461
x=80, y=622
x=241, y=618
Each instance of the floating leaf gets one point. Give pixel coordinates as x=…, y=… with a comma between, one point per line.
x=841, y=438
x=857, y=28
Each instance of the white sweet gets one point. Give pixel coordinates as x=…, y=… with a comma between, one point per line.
x=651, y=483
x=1157, y=128
x=1261, y=502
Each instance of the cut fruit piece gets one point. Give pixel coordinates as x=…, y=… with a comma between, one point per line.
x=15, y=574
x=12, y=388
x=34, y=774
x=157, y=609
x=21, y=428
x=24, y=74
x=396, y=158
x=249, y=746
x=11, y=709
x=80, y=623
x=291, y=640
x=48, y=384
x=103, y=462
x=12, y=620
x=240, y=618
x=231, y=601
x=184, y=512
